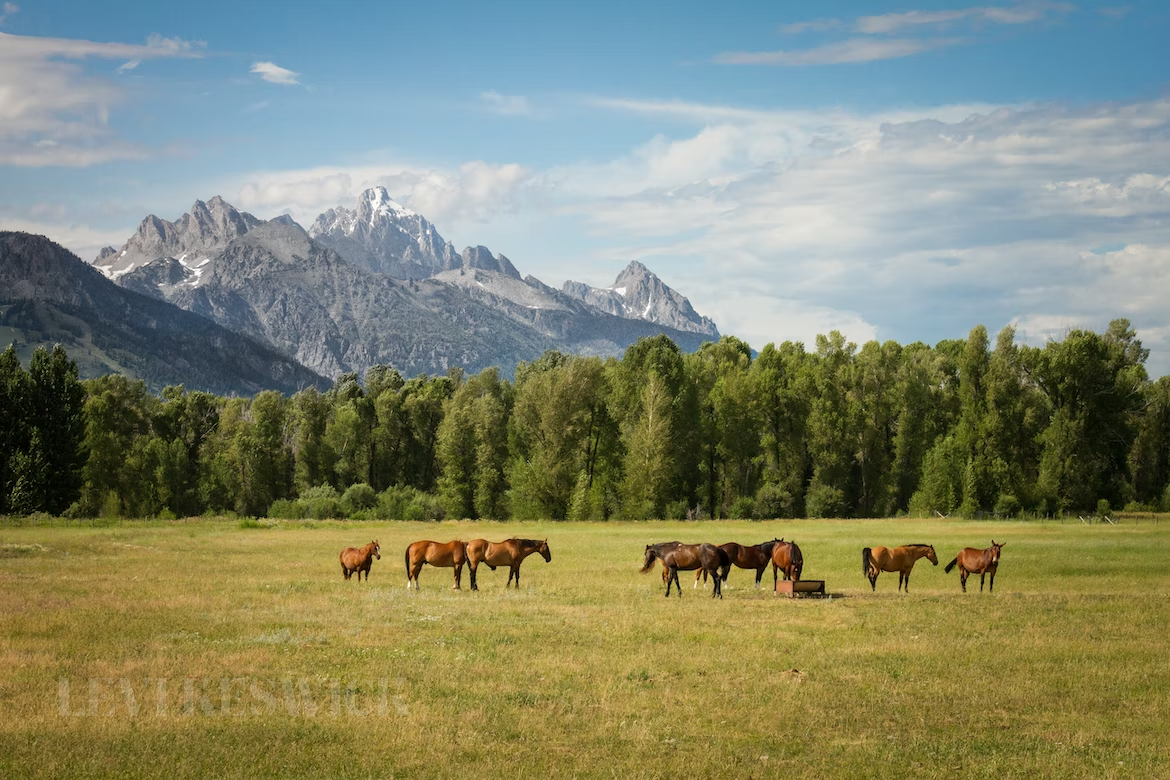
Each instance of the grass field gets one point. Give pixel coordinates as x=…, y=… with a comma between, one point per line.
x=586, y=670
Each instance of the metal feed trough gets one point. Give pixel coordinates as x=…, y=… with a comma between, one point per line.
x=792, y=587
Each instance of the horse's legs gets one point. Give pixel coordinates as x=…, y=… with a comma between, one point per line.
x=907, y=582
x=901, y=579
x=700, y=573
x=991, y=585
x=963, y=577
x=517, y=576
x=982, y=576
x=458, y=575
x=760, y=575
x=471, y=567
x=718, y=590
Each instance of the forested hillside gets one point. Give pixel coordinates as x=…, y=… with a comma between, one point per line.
x=965, y=426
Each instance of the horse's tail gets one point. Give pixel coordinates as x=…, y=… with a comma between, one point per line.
x=651, y=556
x=865, y=561
x=951, y=565
x=406, y=557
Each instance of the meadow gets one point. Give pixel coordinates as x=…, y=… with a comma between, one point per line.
x=209, y=641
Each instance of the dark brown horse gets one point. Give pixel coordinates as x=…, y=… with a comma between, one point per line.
x=688, y=557
x=756, y=556
x=359, y=560
x=510, y=552
x=786, y=557
x=875, y=560
x=981, y=562
x=450, y=555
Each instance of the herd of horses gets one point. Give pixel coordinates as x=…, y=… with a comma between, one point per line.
x=706, y=560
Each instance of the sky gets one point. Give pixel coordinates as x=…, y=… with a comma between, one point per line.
x=892, y=170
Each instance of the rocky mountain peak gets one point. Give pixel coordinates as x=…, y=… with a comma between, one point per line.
x=481, y=257
x=194, y=237
x=638, y=294
x=382, y=235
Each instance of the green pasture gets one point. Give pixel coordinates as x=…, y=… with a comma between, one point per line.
x=586, y=670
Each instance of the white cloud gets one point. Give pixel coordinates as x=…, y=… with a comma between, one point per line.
x=275, y=74
x=1017, y=14
x=853, y=50
x=83, y=240
x=7, y=10
x=504, y=104
x=52, y=113
x=126, y=67
x=471, y=194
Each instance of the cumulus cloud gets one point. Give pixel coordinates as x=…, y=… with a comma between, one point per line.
x=53, y=113
x=918, y=226
x=474, y=192
x=271, y=72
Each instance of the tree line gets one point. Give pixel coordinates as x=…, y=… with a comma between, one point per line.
x=963, y=427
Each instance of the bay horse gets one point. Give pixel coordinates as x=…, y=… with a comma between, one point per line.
x=875, y=560
x=756, y=556
x=450, y=555
x=510, y=552
x=359, y=560
x=688, y=557
x=786, y=557
x=983, y=562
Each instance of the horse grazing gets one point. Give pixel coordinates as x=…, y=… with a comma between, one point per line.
x=688, y=557
x=359, y=560
x=449, y=555
x=875, y=560
x=510, y=552
x=971, y=561
x=786, y=557
x=743, y=556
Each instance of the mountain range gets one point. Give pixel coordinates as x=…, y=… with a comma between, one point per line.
x=49, y=295
x=377, y=283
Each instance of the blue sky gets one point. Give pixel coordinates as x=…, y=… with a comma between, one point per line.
x=896, y=170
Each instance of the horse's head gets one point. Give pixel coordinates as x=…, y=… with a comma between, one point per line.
x=377, y=549
x=797, y=561
x=651, y=554
x=545, y=553
x=995, y=549
x=931, y=556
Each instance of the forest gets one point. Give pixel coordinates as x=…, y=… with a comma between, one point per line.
x=966, y=427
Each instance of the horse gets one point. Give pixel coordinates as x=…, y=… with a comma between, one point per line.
x=756, y=557
x=687, y=557
x=900, y=559
x=510, y=552
x=450, y=555
x=353, y=559
x=971, y=560
x=786, y=557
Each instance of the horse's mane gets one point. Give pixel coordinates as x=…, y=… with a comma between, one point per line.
x=918, y=545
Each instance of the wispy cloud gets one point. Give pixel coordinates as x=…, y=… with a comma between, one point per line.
x=924, y=26
x=126, y=67
x=504, y=104
x=271, y=72
x=853, y=50
x=1018, y=14
x=53, y=113
x=7, y=10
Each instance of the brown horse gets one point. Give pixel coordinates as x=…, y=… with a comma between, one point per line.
x=786, y=557
x=510, y=552
x=900, y=559
x=743, y=556
x=971, y=561
x=450, y=555
x=353, y=559
x=688, y=557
